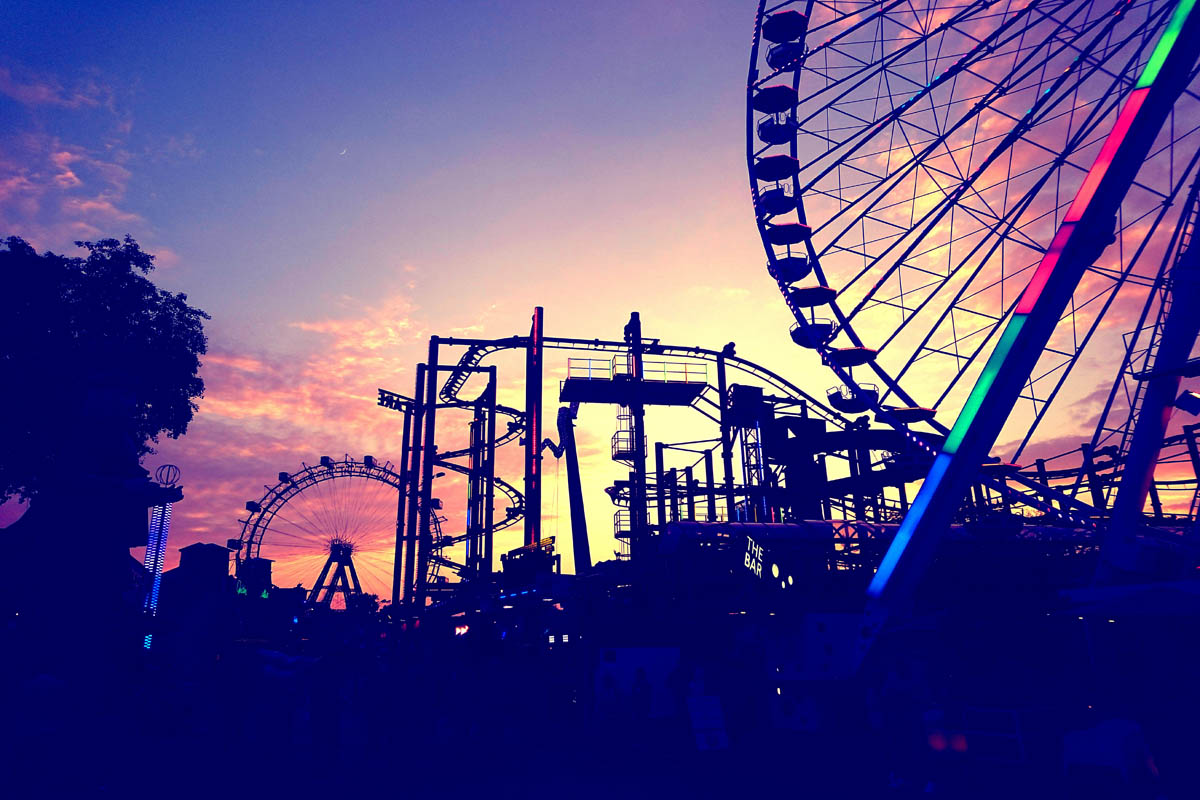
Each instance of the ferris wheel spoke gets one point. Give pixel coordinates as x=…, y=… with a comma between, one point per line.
x=305, y=531
x=900, y=261
x=1161, y=212
x=939, y=210
x=991, y=108
x=892, y=116
x=1098, y=317
x=377, y=573
x=303, y=509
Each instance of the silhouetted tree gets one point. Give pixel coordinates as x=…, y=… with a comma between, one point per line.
x=96, y=363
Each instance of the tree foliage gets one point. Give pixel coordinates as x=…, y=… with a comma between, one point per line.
x=75, y=333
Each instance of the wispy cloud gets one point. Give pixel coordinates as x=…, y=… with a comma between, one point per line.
x=53, y=192
x=33, y=89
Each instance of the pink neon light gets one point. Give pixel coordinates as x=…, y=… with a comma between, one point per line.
x=1098, y=170
x=1038, y=282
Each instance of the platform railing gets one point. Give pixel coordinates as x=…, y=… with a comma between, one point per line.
x=590, y=369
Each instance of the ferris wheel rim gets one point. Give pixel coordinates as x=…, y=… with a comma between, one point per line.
x=256, y=525
x=756, y=82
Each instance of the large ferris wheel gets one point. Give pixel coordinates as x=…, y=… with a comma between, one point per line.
x=331, y=513
x=912, y=165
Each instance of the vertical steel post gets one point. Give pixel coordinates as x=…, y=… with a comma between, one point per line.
x=476, y=465
x=673, y=483
x=412, y=489
x=398, y=559
x=690, y=481
x=726, y=438
x=660, y=492
x=533, y=431
x=429, y=455
x=710, y=486
x=639, y=510
x=489, y=499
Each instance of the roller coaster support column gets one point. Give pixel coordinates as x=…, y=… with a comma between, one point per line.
x=726, y=432
x=1087, y=228
x=638, y=511
x=1119, y=553
x=489, y=474
x=428, y=455
x=412, y=489
x=580, y=547
x=398, y=560
x=689, y=480
x=710, y=489
x=660, y=485
x=533, y=431
x=476, y=461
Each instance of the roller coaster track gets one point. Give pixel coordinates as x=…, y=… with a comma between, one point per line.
x=477, y=351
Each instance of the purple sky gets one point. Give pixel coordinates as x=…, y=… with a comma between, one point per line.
x=334, y=182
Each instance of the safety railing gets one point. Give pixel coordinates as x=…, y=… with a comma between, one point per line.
x=652, y=370
x=622, y=524
x=590, y=369
x=674, y=372
x=624, y=445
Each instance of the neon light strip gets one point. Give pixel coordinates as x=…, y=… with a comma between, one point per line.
x=1120, y=128
x=983, y=385
x=1033, y=291
x=1150, y=73
x=1049, y=261
x=915, y=512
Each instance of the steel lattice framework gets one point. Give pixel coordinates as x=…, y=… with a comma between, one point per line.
x=909, y=167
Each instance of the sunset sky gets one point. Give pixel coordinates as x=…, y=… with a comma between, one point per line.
x=335, y=182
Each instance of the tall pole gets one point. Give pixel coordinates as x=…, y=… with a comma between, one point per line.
x=639, y=511
x=398, y=559
x=533, y=431
x=429, y=455
x=710, y=489
x=660, y=478
x=726, y=437
x=689, y=480
x=489, y=473
x=411, y=487
x=476, y=458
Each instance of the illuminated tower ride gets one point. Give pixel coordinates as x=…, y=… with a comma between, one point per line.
x=156, y=543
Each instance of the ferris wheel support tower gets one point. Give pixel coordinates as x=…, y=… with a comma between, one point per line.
x=1086, y=230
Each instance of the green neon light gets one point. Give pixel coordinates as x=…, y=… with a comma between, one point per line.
x=1163, y=48
x=971, y=407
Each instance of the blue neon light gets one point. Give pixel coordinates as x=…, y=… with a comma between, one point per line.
x=156, y=546
x=911, y=520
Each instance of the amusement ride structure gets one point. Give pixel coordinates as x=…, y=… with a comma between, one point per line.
x=980, y=216
x=966, y=195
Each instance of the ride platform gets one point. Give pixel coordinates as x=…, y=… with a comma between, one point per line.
x=663, y=383
x=624, y=391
